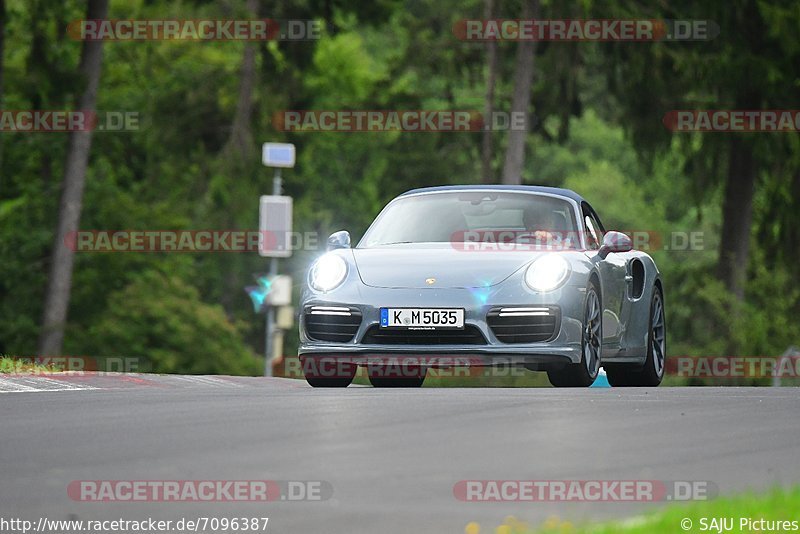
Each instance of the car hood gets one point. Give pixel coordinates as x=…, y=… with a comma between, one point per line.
x=412, y=266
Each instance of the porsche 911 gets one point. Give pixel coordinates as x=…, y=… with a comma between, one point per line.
x=484, y=276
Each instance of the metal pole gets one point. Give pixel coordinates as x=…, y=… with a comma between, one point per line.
x=273, y=271
x=790, y=352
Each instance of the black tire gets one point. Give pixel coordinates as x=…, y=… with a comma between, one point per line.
x=583, y=374
x=328, y=373
x=396, y=377
x=652, y=372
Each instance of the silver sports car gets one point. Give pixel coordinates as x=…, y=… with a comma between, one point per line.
x=484, y=275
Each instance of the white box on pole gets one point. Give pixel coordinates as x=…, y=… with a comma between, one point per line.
x=275, y=226
x=280, y=293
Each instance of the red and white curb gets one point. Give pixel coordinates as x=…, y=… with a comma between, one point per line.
x=33, y=384
x=82, y=381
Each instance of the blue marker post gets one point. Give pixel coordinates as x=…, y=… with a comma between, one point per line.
x=601, y=381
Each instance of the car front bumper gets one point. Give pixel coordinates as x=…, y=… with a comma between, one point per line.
x=563, y=347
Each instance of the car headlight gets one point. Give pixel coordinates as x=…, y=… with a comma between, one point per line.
x=327, y=273
x=547, y=273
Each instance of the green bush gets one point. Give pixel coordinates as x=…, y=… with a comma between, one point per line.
x=161, y=320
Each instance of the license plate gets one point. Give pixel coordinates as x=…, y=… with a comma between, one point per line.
x=422, y=318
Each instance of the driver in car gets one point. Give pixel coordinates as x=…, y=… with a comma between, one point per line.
x=540, y=225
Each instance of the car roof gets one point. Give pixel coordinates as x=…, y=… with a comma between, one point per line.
x=566, y=193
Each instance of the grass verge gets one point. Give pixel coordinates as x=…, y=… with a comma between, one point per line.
x=742, y=513
x=10, y=365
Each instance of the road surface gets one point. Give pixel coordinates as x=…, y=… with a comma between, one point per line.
x=390, y=457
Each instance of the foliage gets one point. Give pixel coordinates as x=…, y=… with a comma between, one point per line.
x=161, y=320
x=774, y=506
x=598, y=110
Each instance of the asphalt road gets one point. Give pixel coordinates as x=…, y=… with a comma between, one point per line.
x=391, y=457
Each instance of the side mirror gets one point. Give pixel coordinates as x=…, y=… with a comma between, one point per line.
x=339, y=239
x=615, y=242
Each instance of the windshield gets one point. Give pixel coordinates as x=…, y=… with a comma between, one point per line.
x=461, y=216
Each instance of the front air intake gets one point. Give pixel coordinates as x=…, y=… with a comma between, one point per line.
x=470, y=335
x=331, y=323
x=524, y=324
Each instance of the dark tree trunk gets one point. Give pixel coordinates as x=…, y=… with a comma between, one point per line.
x=2, y=70
x=737, y=216
x=238, y=153
x=487, y=153
x=569, y=104
x=241, y=137
x=56, y=300
x=2, y=43
x=523, y=80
